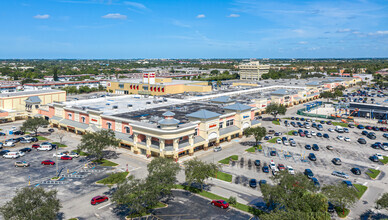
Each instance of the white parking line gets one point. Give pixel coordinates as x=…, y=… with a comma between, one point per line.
x=104, y=206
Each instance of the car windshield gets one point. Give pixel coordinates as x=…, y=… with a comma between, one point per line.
x=223, y=202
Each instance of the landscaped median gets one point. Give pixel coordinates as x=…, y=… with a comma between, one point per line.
x=105, y=163
x=360, y=190
x=41, y=138
x=226, y=160
x=373, y=173
x=224, y=176
x=342, y=213
x=340, y=124
x=253, y=149
x=291, y=132
x=81, y=153
x=59, y=144
x=276, y=122
x=384, y=160
x=273, y=140
x=114, y=178
x=209, y=195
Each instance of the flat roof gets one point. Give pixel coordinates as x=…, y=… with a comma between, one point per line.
x=29, y=93
x=174, y=82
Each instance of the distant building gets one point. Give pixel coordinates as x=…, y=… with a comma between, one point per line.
x=252, y=70
x=60, y=85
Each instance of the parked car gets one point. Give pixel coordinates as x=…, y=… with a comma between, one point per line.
x=26, y=149
x=253, y=183
x=307, y=146
x=3, y=152
x=35, y=146
x=319, y=134
x=98, y=199
x=262, y=182
x=316, y=182
x=66, y=157
x=218, y=148
x=48, y=162
x=51, y=130
x=326, y=136
x=347, y=183
x=331, y=130
x=281, y=166
x=220, y=203
x=265, y=168
x=379, y=156
x=9, y=144
x=290, y=170
x=361, y=141
x=356, y=171
x=18, y=132
x=329, y=147
x=309, y=173
x=336, y=161
x=22, y=164
x=312, y=157
x=279, y=141
x=340, y=174
x=273, y=153
x=360, y=127
x=330, y=207
x=315, y=147
x=73, y=154
x=347, y=139
x=11, y=155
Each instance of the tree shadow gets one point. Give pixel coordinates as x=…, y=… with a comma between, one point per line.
x=369, y=214
x=247, y=143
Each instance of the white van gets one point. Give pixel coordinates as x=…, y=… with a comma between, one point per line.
x=339, y=129
x=9, y=144
x=44, y=147
x=11, y=155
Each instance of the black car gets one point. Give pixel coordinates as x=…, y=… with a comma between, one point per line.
x=265, y=168
x=325, y=135
x=361, y=141
x=308, y=147
x=319, y=134
x=309, y=173
x=273, y=153
x=257, y=163
x=3, y=152
x=295, y=133
x=18, y=133
x=315, y=147
x=364, y=132
x=26, y=149
x=371, y=136
x=374, y=158
x=330, y=207
x=356, y=171
x=51, y=130
x=2, y=134
x=312, y=157
x=253, y=183
x=336, y=161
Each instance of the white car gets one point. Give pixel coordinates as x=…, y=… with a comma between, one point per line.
x=340, y=138
x=11, y=155
x=216, y=149
x=290, y=170
x=59, y=155
x=279, y=141
x=21, y=153
x=347, y=139
x=9, y=144
x=384, y=147
x=379, y=156
x=73, y=154
x=308, y=135
x=313, y=133
x=331, y=130
x=272, y=165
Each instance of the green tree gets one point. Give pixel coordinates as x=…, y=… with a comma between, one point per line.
x=294, y=197
x=341, y=195
x=214, y=72
x=257, y=132
x=95, y=143
x=276, y=109
x=162, y=174
x=55, y=74
x=33, y=124
x=32, y=203
x=383, y=201
x=136, y=194
x=197, y=171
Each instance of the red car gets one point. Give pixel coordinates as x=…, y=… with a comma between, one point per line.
x=302, y=134
x=35, y=146
x=48, y=162
x=368, y=127
x=383, y=129
x=220, y=203
x=98, y=199
x=281, y=166
x=66, y=157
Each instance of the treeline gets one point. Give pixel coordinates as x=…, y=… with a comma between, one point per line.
x=82, y=89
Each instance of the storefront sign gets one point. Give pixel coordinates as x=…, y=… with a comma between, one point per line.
x=212, y=126
x=246, y=116
x=95, y=120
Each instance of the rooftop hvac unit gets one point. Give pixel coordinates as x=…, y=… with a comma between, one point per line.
x=107, y=104
x=129, y=106
x=115, y=107
x=164, y=100
x=148, y=103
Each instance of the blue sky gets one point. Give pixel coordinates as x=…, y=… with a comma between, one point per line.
x=115, y=29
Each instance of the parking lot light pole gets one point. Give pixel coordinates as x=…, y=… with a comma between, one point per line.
x=56, y=158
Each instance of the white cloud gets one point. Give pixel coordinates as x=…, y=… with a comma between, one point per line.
x=180, y=24
x=114, y=16
x=136, y=5
x=303, y=42
x=379, y=33
x=45, y=16
x=345, y=30
x=201, y=16
x=234, y=16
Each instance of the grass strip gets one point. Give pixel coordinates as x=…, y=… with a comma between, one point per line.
x=224, y=176
x=384, y=160
x=360, y=190
x=273, y=140
x=226, y=160
x=105, y=163
x=41, y=138
x=373, y=173
x=276, y=122
x=59, y=144
x=114, y=178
